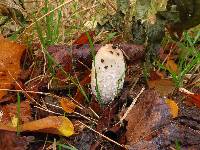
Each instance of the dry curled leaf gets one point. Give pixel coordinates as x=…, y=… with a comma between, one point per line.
x=10, y=56
x=53, y=124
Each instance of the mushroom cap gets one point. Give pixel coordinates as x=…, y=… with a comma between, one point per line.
x=110, y=72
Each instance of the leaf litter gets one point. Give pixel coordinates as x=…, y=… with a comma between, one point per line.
x=52, y=103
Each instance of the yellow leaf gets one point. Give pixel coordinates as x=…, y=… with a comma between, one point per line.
x=173, y=107
x=14, y=121
x=66, y=127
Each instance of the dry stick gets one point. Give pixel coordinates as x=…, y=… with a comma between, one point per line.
x=131, y=106
x=45, y=109
x=107, y=138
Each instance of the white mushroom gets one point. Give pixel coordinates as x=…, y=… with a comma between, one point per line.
x=109, y=66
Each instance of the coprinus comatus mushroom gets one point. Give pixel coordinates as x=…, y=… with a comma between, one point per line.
x=108, y=73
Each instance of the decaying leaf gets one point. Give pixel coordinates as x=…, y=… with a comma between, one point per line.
x=10, y=113
x=10, y=56
x=172, y=66
x=192, y=97
x=146, y=116
x=56, y=125
x=67, y=105
x=173, y=107
x=10, y=141
x=83, y=39
x=162, y=86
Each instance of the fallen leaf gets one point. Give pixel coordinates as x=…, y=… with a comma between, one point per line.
x=10, y=56
x=162, y=86
x=10, y=113
x=62, y=56
x=173, y=107
x=83, y=39
x=146, y=116
x=172, y=66
x=53, y=124
x=155, y=75
x=194, y=98
x=10, y=141
x=67, y=105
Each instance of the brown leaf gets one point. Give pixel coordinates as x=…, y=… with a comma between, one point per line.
x=192, y=97
x=10, y=55
x=162, y=86
x=67, y=105
x=62, y=56
x=146, y=116
x=155, y=75
x=10, y=112
x=10, y=141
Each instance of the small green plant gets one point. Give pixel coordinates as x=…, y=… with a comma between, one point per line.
x=178, y=146
x=93, y=53
x=60, y=146
x=18, y=113
x=188, y=59
x=48, y=31
x=49, y=35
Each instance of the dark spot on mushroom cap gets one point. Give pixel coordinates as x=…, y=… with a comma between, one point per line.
x=99, y=68
x=111, y=52
x=110, y=65
x=117, y=54
x=114, y=46
x=106, y=67
x=102, y=60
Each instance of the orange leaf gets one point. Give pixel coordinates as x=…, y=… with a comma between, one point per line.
x=10, y=55
x=83, y=39
x=171, y=65
x=173, y=107
x=67, y=105
x=52, y=124
x=194, y=98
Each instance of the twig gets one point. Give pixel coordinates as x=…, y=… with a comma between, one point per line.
x=131, y=106
x=107, y=138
